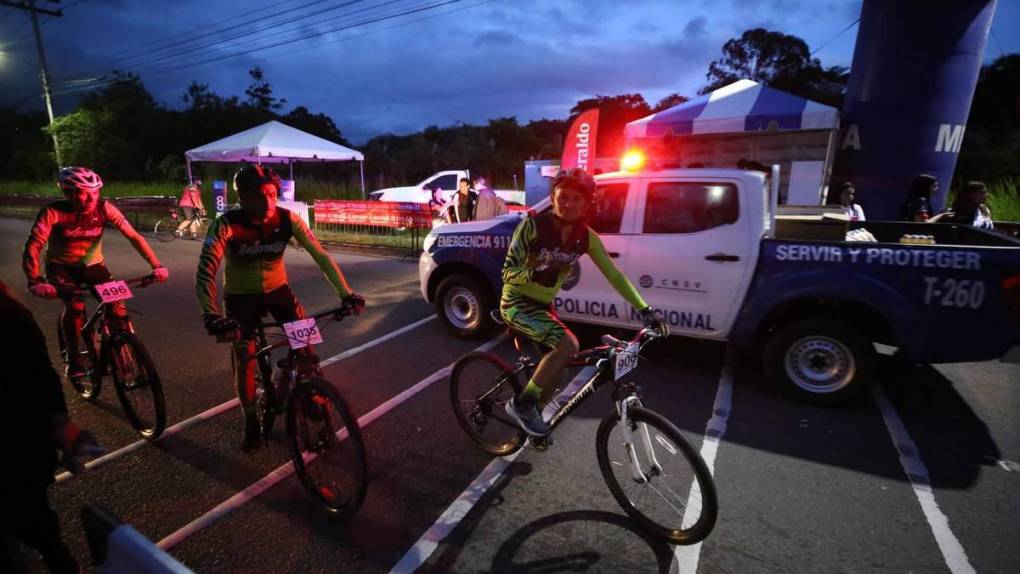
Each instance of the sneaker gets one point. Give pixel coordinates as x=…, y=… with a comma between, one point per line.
x=528, y=417
x=252, y=439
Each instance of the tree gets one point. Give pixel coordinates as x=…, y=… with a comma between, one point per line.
x=669, y=101
x=260, y=93
x=780, y=61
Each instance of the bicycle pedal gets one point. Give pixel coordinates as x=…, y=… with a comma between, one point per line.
x=540, y=444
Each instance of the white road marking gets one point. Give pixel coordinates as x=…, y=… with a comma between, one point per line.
x=917, y=473
x=222, y=408
x=685, y=558
x=451, y=517
x=287, y=469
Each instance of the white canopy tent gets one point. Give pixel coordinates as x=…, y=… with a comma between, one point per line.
x=274, y=142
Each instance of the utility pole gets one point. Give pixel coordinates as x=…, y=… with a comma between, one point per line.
x=29, y=6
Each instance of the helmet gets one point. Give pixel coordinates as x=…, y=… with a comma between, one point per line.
x=253, y=176
x=576, y=179
x=72, y=178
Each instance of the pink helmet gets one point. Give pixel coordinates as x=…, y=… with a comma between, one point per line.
x=72, y=178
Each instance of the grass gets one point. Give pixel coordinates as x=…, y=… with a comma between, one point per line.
x=1004, y=199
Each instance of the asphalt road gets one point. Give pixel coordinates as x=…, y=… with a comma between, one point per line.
x=801, y=488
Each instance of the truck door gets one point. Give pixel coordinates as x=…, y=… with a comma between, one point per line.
x=586, y=295
x=692, y=258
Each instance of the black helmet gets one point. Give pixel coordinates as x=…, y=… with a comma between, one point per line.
x=576, y=179
x=253, y=176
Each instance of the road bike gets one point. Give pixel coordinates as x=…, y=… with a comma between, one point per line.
x=653, y=472
x=120, y=354
x=166, y=228
x=325, y=438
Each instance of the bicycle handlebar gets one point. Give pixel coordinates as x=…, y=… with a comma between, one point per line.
x=642, y=338
x=141, y=282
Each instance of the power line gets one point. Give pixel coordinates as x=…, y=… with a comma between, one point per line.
x=833, y=39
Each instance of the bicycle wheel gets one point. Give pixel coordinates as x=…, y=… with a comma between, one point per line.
x=326, y=445
x=87, y=387
x=137, y=384
x=166, y=229
x=480, y=386
x=675, y=498
x=202, y=227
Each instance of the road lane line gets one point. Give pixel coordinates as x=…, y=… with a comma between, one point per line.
x=285, y=470
x=224, y=407
x=917, y=473
x=451, y=517
x=685, y=558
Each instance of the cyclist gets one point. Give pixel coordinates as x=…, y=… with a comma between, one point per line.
x=543, y=251
x=73, y=227
x=253, y=239
x=190, y=203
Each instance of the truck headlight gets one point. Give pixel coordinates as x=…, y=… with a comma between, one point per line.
x=428, y=242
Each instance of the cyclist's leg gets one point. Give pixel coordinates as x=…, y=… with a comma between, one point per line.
x=247, y=311
x=94, y=275
x=185, y=220
x=73, y=316
x=284, y=307
x=540, y=324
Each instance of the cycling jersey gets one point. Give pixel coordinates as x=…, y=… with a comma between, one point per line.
x=537, y=243
x=254, y=254
x=190, y=197
x=76, y=239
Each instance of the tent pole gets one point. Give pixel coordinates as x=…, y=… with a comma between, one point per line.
x=290, y=162
x=187, y=166
x=361, y=164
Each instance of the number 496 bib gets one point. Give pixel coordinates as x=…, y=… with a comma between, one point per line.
x=113, y=291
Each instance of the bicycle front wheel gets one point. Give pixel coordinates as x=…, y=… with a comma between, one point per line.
x=480, y=388
x=670, y=492
x=326, y=445
x=166, y=229
x=137, y=384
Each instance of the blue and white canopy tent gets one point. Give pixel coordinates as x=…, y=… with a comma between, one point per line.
x=748, y=121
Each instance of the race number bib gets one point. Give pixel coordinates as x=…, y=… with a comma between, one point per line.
x=113, y=291
x=626, y=360
x=302, y=333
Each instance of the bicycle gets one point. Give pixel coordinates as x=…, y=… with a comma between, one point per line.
x=119, y=354
x=633, y=443
x=166, y=228
x=319, y=424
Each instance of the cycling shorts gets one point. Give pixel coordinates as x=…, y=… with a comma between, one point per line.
x=73, y=277
x=248, y=310
x=534, y=320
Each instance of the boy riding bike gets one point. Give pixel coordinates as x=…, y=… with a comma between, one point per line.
x=253, y=240
x=73, y=228
x=542, y=252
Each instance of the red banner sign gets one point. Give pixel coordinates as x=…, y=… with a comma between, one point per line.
x=374, y=213
x=579, y=146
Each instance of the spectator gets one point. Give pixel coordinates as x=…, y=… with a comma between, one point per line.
x=461, y=206
x=32, y=431
x=847, y=194
x=189, y=203
x=918, y=205
x=489, y=205
x=969, y=207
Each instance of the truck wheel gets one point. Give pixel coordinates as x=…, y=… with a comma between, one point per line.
x=819, y=361
x=464, y=304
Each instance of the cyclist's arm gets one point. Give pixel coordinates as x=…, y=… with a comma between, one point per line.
x=618, y=280
x=329, y=267
x=114, y=216
x=196, y=198
x=515, y=267
x=209, y=263
x=31, y=256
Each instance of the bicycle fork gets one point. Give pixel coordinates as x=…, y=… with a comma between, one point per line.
x=637, y=473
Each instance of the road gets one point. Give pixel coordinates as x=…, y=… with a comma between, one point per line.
x=801, y=488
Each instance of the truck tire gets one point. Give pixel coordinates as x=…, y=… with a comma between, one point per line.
x=464, y=303
x=819, y=361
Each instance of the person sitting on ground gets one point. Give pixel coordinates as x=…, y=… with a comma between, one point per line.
x=847, y=194
x=969, y=208
x=917, y=208
x=190, y=203
x=489, y=205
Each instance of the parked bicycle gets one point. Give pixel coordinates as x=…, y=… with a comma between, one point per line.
x=120, y=354
x=325, y=439
x=167, y=228
x=653, y=472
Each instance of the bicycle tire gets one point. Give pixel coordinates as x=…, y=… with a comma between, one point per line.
x=494, y=380
x=166, y=229
x=266, y=395
x=88, y=387
x=703, y=493
x=332, y=468
x=136, y=380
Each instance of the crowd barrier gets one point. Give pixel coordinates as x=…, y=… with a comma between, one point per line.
x=116, y=547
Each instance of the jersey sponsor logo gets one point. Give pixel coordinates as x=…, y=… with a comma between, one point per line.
x=259, y=248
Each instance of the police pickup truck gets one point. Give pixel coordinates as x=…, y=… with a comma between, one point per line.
x=701, y=245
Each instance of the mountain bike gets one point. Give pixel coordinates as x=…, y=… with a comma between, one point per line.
x=325, y=438
x=166, y=228
x=120, y=354
x=653, y=472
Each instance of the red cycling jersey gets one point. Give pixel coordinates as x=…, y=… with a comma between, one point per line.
x=76, y=239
